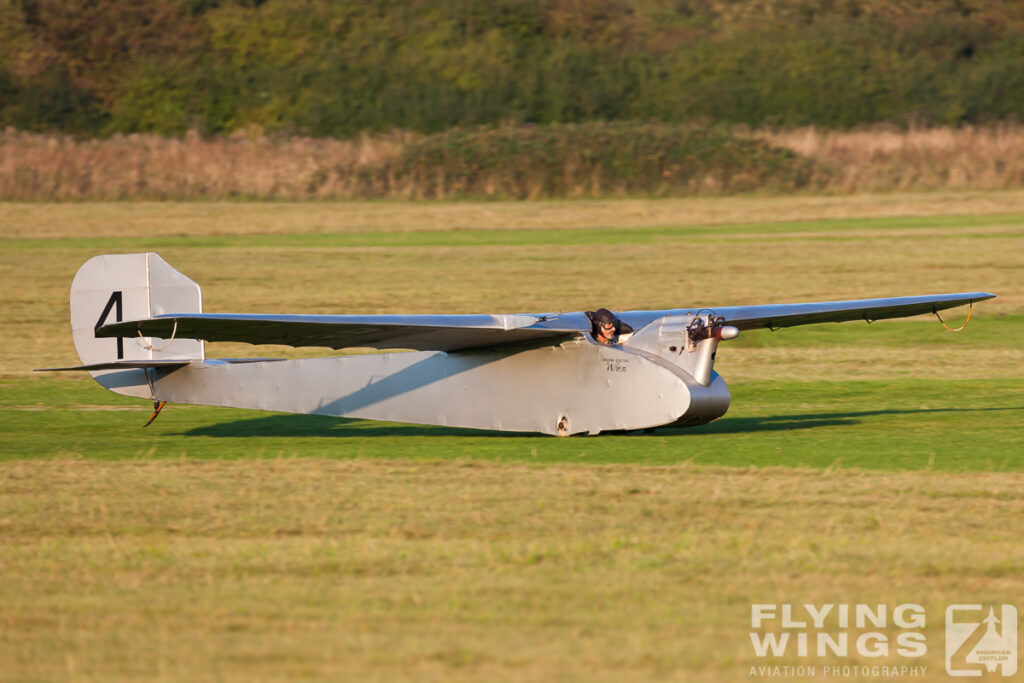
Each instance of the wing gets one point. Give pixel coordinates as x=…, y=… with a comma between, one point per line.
x=420, y=332
x=788, y=315
x=464, y=332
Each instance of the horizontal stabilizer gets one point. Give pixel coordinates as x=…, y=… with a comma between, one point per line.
x=170, y=363
x=121, y=365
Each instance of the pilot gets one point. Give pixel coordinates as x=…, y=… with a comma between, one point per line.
x=605, y=326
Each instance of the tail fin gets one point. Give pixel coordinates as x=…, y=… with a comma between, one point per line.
x=117, y=287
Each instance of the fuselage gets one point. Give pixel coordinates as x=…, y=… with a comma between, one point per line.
x=578, y=386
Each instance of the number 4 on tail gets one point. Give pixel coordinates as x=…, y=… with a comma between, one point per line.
x=115, y=302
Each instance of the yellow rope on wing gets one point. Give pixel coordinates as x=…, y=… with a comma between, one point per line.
x=967, y=320
x=150, y=347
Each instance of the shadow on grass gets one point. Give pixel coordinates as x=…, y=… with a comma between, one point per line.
x=781, y=423
x=322, y=426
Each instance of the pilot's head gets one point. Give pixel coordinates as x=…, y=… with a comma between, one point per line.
x=604, y=325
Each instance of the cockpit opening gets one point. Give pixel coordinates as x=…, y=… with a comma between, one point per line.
x=606, y=328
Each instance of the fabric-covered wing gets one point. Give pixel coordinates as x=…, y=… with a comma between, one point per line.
x=420, y=332
x=463, y=332
x=788, y=315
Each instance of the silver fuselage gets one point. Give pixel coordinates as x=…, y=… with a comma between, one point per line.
x=578, y=386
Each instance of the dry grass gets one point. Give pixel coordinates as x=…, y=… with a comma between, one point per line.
x=43, y=167
x=322, y=570
x=34, y=166
x=881, y=159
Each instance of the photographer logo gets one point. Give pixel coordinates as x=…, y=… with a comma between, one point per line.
x=980, y=640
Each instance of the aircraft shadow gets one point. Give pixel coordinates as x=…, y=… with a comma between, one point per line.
x=782, y=423
x=337, y=427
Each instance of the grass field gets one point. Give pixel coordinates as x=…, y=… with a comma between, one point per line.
x=875, y=464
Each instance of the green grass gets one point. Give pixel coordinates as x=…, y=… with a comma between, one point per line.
x=948, y=425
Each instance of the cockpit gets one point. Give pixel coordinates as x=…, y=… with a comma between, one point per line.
x=606, y=328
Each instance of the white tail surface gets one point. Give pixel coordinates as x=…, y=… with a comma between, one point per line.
x=116, y=287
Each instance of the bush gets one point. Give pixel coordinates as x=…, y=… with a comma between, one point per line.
x=594, y=160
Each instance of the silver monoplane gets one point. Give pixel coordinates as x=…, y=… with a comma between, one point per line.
x=139, y=330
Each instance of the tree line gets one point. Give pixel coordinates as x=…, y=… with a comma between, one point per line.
x=333, y=69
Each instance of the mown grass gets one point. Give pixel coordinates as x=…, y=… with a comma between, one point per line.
x=309, y=568
x=858, y=463
x=180, y=219
x=1003, y=225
